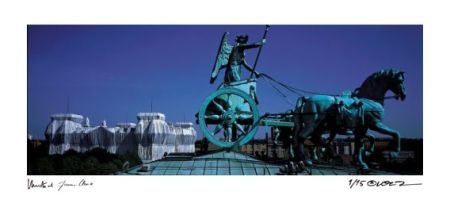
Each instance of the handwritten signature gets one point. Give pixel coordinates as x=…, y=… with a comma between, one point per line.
x=59, y=185
x=374, y=183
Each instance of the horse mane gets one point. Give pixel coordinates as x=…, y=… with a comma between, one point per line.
x=371, y=81
x=383, y=73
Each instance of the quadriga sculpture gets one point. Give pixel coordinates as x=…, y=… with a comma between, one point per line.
x=339, y=114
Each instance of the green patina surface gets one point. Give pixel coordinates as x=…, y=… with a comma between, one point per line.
x=218, y=163
x=229, y=163
x=277, y=123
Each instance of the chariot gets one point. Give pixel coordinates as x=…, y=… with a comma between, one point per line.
x=230, y=116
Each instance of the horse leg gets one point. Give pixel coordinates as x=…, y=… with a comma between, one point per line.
x=329, y=146
x=304, y=125
x=294, y=154
x=299, y=149
x=383, y=129
x=316, y=139
x=297, y=158
x=359, y=148
x=324, y=145
x=292, y=145
x=371, y=144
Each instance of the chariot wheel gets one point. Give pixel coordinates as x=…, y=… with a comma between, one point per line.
x=229, y=117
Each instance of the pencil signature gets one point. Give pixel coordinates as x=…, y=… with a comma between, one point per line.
x=375, y=183
x=32, y=184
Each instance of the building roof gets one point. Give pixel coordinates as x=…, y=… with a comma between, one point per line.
x=66, y=117
x=217, y=163
x=229, y=163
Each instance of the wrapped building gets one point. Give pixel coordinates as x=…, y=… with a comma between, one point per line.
x=186, y=136
x=152, y=137
x=155, y=136
x=61, y=132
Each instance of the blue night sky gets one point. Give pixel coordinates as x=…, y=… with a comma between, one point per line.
x=114, y=72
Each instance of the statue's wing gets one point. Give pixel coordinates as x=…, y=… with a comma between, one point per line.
x=222, y=56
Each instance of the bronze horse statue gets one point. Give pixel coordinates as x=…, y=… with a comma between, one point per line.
x=363, y=110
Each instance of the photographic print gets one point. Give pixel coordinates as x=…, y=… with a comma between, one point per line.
x=225, y=100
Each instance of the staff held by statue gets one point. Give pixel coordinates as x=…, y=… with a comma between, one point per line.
x=259, y=51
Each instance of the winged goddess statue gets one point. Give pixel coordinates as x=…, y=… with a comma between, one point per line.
x=232, y=57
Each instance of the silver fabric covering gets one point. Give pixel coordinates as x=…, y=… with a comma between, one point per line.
x=185, y=137
x=151, y=137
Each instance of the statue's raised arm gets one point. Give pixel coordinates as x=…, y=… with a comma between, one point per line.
x=232, y=57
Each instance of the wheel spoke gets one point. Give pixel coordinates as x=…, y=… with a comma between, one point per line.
x=242, y=115
x=218, y=128
x=239, y=127
x=218, y=106
x=212, y=117
x=229, y=101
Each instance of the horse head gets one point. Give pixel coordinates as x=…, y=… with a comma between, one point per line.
x=397, y=85
x=376, y=85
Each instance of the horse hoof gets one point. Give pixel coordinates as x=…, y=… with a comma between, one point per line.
x=308, y=163
x=364, y=171
x=284, y=169
x=394, y=155
x=368, y=153
x=289, y=168
x=362, y=165
x=300, y=167
x=363, y=168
